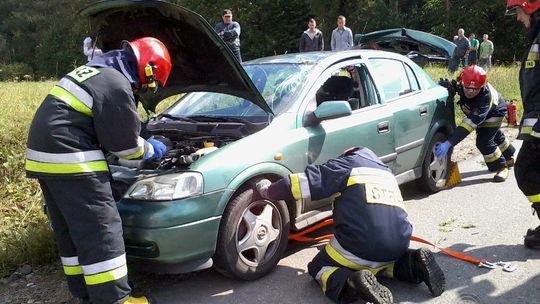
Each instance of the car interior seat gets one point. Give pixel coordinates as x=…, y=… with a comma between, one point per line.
x=335, y=88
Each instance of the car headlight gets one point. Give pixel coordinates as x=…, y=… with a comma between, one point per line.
x=167, y=187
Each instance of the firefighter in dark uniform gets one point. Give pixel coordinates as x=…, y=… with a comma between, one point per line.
x=89, y=111
x=371, y=229
x=485, y=110
x=527, y=169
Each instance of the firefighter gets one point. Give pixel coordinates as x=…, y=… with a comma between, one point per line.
x=485, y=110
x=371, y=229
x=89, y=111
x=528, y=160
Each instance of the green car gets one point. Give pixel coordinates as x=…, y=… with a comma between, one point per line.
x=265, y=118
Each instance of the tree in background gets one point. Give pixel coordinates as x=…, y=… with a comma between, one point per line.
x=47, y=35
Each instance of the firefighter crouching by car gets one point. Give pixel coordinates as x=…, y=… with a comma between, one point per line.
x=92, y=109
x=527, y=169
x=485, y=110
x=371, y=229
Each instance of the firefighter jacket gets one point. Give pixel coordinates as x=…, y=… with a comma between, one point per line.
x=370, y=221
x=90, y=110
x=487, y=109
x=529, y=82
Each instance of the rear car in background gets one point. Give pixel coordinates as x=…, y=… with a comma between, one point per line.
x=267, y=118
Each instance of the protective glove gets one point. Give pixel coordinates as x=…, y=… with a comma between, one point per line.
x=262, y=187
x=442, y=149
x=159, y=148
x=451, y=86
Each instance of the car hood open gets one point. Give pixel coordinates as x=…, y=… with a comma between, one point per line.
x=437, y=46
x=200, y=59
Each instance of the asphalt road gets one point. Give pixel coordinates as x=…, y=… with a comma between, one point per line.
x=481, y=218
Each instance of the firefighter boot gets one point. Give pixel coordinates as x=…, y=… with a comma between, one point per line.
x=501, y=175
x=417, y=266
x=364, y=285
x=139, y=300
x=532, y=238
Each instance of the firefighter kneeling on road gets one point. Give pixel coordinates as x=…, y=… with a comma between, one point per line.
x=484, y=109
x=371, y=229
x=90, y=110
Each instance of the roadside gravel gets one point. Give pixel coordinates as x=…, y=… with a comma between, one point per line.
x=46, y=284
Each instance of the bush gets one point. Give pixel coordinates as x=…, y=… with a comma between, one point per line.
x=9, y=72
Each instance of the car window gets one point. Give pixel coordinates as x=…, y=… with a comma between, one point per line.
x=412, y=78
x=391, y=76
x=277, y=83
x=351, y=83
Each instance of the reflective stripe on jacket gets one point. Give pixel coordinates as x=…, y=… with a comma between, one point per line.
x=86, y=112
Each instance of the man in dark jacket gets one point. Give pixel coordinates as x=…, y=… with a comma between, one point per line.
x=484, y=109
x=312, y=39
x=229, y=31
x=528, y=160
x=371, y=229
x=90, y=110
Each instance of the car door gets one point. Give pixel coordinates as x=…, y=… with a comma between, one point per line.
x=413, y=110
x=369, y=125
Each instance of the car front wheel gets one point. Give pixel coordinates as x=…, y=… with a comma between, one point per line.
x=252, y=236
x=435, y=170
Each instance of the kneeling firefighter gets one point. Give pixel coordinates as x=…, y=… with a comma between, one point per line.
x=92, y=109
x=371, y=229
x=485, y=110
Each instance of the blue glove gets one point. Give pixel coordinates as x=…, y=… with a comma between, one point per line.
x=159, y=148
x=442, y=149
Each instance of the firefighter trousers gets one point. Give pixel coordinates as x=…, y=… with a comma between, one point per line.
x=88, y=232
x=331, y=270
x=494, y=146
x=527, y=171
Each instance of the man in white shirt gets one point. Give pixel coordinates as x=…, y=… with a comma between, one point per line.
x=342, y=37
x=90, y=50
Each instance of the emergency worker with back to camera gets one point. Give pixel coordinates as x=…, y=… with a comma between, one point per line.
x=485, y=110
x=371, y=229
x=89, y=111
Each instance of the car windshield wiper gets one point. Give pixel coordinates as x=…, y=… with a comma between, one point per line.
x=166, y=115
x=210, y=118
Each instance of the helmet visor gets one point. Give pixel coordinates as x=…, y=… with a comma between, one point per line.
x=511, y=11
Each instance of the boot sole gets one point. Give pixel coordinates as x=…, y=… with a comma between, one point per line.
x=370, y=290
x=433, y=274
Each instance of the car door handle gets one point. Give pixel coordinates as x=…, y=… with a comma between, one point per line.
x=383, y=127
x=423, y=111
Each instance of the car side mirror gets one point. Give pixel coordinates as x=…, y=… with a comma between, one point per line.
x=332, y=109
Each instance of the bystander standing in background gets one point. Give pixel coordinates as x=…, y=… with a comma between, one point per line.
x=342, y=37
x=311, y=39
x=473, y=54
x=461, y=52
x=229, y=31
x=486, y=50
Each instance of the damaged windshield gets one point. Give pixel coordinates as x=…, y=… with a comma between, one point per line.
x=278, y=83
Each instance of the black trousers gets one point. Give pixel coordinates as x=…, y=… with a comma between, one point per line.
x=527, y=171
x=332, y=275
x=494, y=146
x=88, y=232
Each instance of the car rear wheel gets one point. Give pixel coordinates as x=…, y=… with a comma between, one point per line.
x=252, y=237
x=435, y=171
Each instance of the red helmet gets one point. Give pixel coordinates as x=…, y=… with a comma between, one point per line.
x=473, y=77
x=153, y=59
x=528, y=6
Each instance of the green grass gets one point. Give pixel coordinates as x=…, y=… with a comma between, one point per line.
x=24, y=233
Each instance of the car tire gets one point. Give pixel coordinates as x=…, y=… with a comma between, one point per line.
x=435, y=172
x=251, y=226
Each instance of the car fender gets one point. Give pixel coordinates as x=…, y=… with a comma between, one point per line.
x=258, y=170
